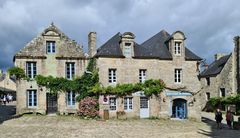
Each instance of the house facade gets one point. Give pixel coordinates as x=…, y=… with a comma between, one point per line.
x=7, y=84
x=50, y=53
x=121, y=60
x=221, y=77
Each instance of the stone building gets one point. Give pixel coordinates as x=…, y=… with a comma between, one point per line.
x=221, y=77
x=7, y=84
x=50, y=53
x=122, y=60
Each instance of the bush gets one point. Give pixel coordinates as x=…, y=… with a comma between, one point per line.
x=88, y=107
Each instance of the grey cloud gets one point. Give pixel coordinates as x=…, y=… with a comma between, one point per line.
x=209, y=25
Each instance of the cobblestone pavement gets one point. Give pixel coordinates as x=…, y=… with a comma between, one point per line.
x=29, y=126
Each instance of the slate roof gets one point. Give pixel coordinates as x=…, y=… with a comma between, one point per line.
x=155, y=47
x=111, y=48
x=3, y=76
x=216, y=67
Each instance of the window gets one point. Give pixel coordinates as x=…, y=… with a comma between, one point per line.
x=31, y=69
x=208, y=96
x=178, y=74
x=142, y=75
x=127, y=50
x=177, y=48
x=222, y=92
x=143, y=102
x=71, y=100
x=32, y=98
x=208, y=81
x=112, y=76
x=70, y=70
x=113, y=104
x=128, y=103
x=50, y=46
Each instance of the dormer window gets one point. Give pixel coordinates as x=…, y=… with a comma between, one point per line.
x=177, y=48
x=127, y=50
x=50, y=46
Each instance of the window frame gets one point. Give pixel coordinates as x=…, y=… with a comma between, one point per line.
x=127, y=50
x=127, y=104
x=178, y=76
x=32, y=94
x=221, y=92
x=72, y=101
x=114, y=104
x=142, y=75
x=72, y=70
x=177, y=47
x=208, y=96
x=112, y=76
x=51, y=47
x=208, y=81
x=31, y=73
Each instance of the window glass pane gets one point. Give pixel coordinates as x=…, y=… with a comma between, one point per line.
x=35, y=98
x=112, y=103
x=125, y=104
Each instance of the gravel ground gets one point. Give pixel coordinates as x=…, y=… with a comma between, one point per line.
x=29, y=126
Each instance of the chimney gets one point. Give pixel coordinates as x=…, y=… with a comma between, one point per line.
x=92, y=44
x=218, y=56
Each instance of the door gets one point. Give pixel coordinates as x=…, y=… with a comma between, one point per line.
x=179, y=108
x=51, y=103
x=144, y=107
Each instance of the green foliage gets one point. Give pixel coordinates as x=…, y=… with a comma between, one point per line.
x=217, y=101
x=149, y=87
x=55, y=85
x=82, y=85
x=17, y=72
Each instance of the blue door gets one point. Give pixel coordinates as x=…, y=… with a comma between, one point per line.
x=179, y=108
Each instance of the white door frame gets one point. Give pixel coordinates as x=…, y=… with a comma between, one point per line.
x=144, y=111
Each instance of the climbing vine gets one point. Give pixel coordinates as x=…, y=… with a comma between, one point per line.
x=150, y=87
x=17, y=72
x=80, y=85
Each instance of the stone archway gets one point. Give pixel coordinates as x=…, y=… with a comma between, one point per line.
x=179, y=108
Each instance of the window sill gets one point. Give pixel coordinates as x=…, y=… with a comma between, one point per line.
x=128, y=110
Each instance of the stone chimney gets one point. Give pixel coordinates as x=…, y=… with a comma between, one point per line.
x=218, y=56
x=92, y=44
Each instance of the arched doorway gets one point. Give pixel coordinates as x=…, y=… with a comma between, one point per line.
x=179, y=108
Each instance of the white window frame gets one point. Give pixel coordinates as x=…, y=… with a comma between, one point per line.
x=112, y=103
x=51, y=46
x=142, y=75
x=112, y=76
x=72, y=72
x=177, y=47
x=32, y=92
x=127, y=49
x=128, y=103
x=72, y=101
x=32, y=65
x=178, y=76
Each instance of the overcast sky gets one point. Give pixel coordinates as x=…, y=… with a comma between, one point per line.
x=209, y=25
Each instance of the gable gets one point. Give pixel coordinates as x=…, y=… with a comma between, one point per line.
x=37, y=47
